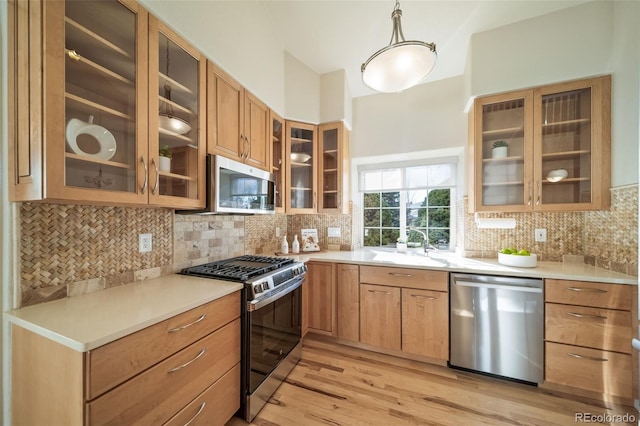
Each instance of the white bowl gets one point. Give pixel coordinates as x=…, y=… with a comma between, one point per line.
x=557, y=175
x=300, y=157
x=105, y=139
x=530, y=261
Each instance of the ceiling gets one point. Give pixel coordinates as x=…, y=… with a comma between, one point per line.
x=332, y=35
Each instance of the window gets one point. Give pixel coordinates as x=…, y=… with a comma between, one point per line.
x=416, y=196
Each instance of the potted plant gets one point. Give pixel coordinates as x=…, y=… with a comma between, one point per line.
x=164, y=162
x=499, y=149
x=401, y=245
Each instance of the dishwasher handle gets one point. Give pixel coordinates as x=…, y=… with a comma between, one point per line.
x=508, y=287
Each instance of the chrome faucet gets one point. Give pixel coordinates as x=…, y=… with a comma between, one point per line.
x=426, y=244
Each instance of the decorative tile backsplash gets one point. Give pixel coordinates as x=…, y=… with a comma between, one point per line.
x=67, y=250
x=607, y=239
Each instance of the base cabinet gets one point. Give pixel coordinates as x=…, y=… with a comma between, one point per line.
x=199, y=361
x=588, y=332
x=380, y=316
x=424, y=329
x=318, y=297
x=348, y=302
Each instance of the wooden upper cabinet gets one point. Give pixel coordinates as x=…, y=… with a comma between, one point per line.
x=238, y=125
x=177, y=107
x=87, y=93
x=333, y=169
x=301, y=159
x=558, y=148
x=277, y=157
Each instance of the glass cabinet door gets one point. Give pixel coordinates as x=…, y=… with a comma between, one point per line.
x=565, y=148
x=504, y=153
x=330, y=156
x=301, y=157
x=277, y=159
x=103, y=113
x=176, y=109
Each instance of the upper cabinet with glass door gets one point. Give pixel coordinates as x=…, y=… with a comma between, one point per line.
x=301, y=158
x=93, y=122
x=277, y=150
x=545, y=149
x=333, y=168
x=177, y=107
x=572, y=145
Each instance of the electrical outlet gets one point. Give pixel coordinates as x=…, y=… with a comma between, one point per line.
x=541, y=235
x=333, y=232
x=144, y=241
x=277, y=231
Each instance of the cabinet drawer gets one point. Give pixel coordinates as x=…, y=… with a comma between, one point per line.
x=590, y=369
x=214, y=406
x=405, y=277
x=158, y=393
x=425, y=323
x=112, y=364
x=584, y=293
x=593, y=327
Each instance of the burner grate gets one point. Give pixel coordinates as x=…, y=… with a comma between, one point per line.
x=240, y=268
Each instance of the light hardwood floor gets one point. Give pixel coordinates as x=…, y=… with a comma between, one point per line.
x=339, y=385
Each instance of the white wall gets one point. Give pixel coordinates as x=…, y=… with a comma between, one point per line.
x=302, y=92
x=425, y=117
x=239, y=38
x=335, y=98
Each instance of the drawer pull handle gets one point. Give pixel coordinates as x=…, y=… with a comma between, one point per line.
x=197, y=414
x=180, y=367
x=394, y=274
x=587, y=290
x=379, y=291
x=182, y=327
x=586, y=357
x=574, y=314
x=419, y=296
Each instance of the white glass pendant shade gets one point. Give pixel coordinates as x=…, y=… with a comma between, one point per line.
x=400, y=65
x=173, y=124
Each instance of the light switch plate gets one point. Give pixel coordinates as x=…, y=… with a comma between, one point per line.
x=333, y=232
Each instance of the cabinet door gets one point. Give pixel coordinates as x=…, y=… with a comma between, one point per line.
x=277, y=155
x=503, y=175
x=95, y=109
x=333, y=168
x=425, y=323
x=572, y=145
x=301, y=158
x=256, y=134
x=225, y=98
x=380, y=316
x=320, y=294
x=348, y=302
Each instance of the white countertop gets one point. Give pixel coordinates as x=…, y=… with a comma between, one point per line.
x=91, y=320
x=453, y=263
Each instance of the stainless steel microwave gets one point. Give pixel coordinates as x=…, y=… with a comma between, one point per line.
x=236, y=188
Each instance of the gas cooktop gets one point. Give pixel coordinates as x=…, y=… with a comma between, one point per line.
x=241, y=268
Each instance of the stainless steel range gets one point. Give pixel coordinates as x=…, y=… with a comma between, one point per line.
x=271, y=321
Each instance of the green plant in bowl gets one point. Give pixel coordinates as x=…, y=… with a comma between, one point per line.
x=164, y=151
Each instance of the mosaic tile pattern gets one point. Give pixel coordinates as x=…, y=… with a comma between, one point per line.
x=67, y=250
x=607, y=239
x=207, y=238
x=295, y=223
x=260, y=233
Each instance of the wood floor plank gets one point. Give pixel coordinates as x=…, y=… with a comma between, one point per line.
x=339, y=385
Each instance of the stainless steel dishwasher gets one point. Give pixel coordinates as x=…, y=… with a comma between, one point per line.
x=497, y=326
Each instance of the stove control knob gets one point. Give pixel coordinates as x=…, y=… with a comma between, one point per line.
x=257, y=288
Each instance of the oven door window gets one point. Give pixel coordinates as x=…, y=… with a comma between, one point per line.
x=275, y=330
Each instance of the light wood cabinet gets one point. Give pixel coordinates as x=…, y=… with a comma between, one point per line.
x=88, y=95
x=348, y=302
x=333, y=168
x=425, y=324
x=557, y=156
x=588, y=332
x=147, y=377
x=380, y=323
x=278, y=165
x=320, y=297
x=301, y=159
x=238, y=126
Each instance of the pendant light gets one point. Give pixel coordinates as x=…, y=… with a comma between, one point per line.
x=168, y=122
x=400, y=65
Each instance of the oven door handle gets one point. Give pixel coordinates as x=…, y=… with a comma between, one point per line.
x=254, y=305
